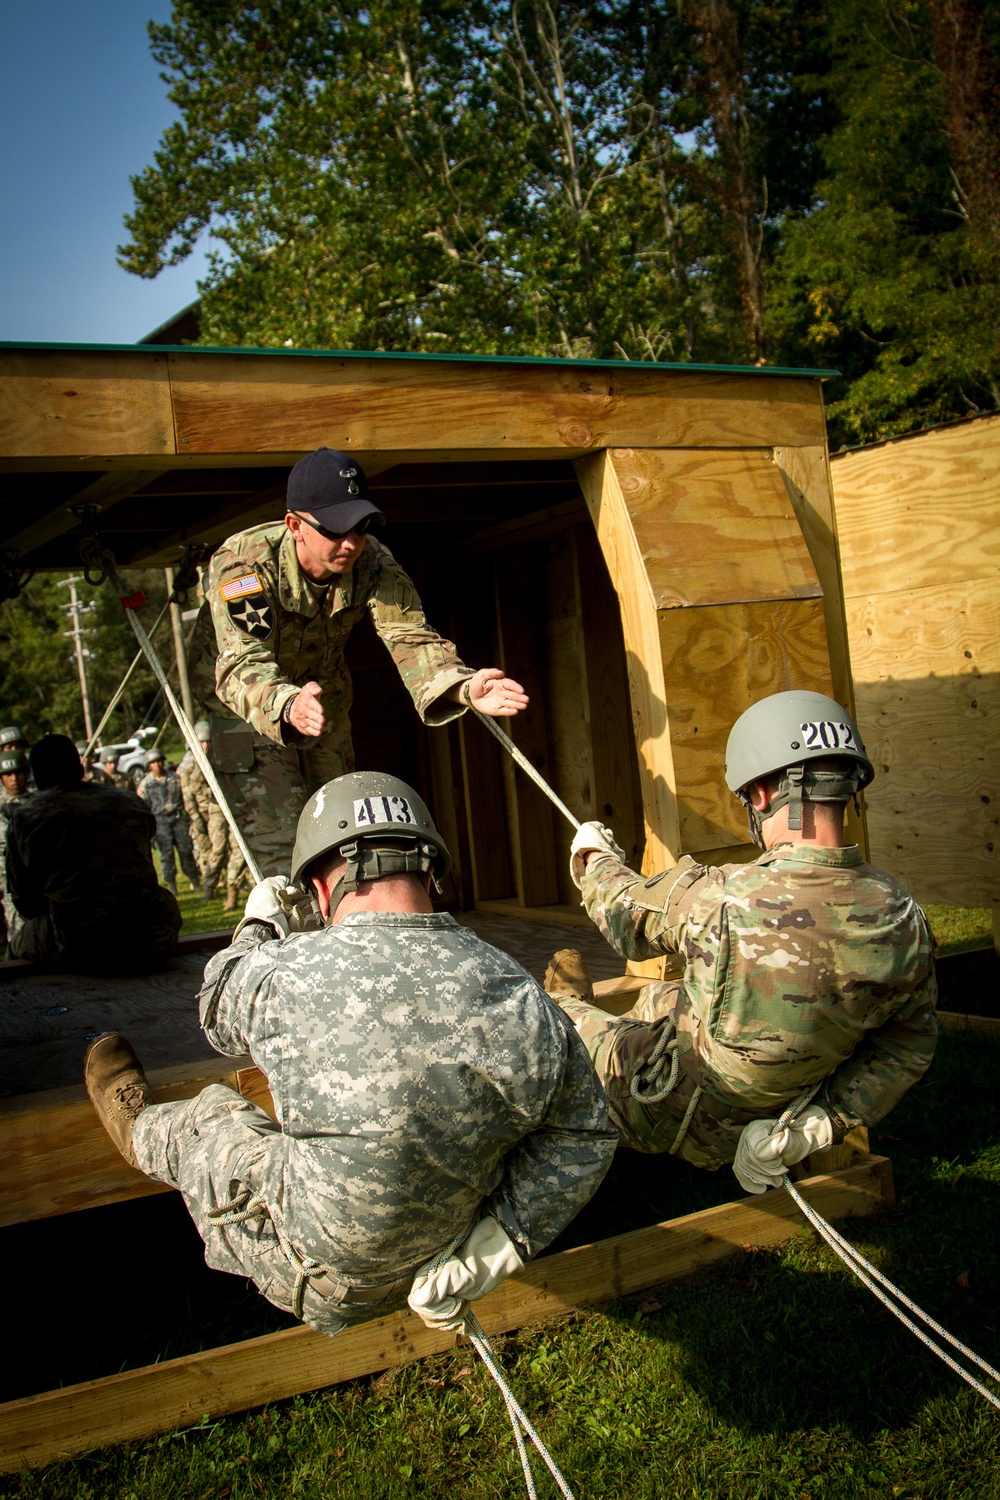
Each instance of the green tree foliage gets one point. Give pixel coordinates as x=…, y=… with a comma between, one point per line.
x=39, y=682
x=789, y=181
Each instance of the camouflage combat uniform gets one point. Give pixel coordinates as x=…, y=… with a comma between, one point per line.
x=164, y=797
x=80, y=871
x=12, y=919
x=209, y=829
x=806, y=967
x=421, y=1079
x=263, y=632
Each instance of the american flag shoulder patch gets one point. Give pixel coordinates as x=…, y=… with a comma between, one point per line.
x=237, y=588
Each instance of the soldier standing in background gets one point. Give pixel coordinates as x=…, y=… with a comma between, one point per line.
x=209, y=829
x=114, y=777
x=267, y=658
x=442, y=1119
x=88, y=759
x=14, y=775
x=160, y=789
x=808, y=974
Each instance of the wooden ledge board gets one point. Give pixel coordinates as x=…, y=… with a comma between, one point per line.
x=43, y=1429
x=953, y=1021
x=55, y=1156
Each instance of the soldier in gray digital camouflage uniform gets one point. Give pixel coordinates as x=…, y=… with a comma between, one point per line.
x=163, y=794
x=267, y=656
x=808, y=974
x=438, y=1119
x=14, y=789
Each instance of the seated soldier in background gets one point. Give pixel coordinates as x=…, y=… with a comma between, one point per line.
x=162, y=792
x=434, y=1106
x=14, y=775
x=808, y=974
x=80, y=871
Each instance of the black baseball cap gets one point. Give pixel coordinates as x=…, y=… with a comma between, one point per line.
x=331, y=486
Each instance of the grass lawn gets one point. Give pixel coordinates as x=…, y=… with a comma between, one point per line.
x=960, y=929
x=775, y=1375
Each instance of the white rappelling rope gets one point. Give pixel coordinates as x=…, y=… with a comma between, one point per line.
x=95, y=738
x=869, y=1275
x=518, y=1421
x=101, y=555
x=522, y=760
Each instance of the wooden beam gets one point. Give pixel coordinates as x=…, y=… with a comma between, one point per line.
x=180, y=1392
x=77, y=403
x=55, y=1156
x=101, y=493
x=954, y=1021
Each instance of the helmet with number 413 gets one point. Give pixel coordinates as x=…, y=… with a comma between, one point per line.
x=807, y=738
x=376, y=823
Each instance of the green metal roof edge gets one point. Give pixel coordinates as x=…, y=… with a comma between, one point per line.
x=477, y=359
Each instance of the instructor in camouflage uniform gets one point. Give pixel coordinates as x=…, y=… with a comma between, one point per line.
x=808, y=974
x=267, y=658
x=439, y=1121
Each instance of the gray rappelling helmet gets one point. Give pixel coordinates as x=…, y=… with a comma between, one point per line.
x=152, y=756
x=784, y=733
x=12, y=736
x=376, y=823
x=12, y=760
x=203, y=729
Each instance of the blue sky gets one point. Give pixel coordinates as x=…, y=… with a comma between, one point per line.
x=82, y=108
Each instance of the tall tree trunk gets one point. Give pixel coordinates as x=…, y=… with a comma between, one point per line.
x=971, y=78
x=743, y=198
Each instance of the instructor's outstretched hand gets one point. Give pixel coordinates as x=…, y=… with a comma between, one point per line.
x=491, y=693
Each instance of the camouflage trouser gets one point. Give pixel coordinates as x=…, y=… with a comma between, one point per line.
x=237, y=874
x=172, y=833
x=625, y=1050
x=267, y=798
x=217, y=1145
x=199, y=834
x=214, y=847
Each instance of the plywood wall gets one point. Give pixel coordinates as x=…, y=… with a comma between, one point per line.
x=919, y=527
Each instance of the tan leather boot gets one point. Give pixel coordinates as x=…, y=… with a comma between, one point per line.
x=118, y=1088
x=230, y=901
x=567, y=976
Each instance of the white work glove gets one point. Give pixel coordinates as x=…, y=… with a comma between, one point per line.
x=264, y=904
x=485, y=1258
x=767, y=1149
x=590, y=837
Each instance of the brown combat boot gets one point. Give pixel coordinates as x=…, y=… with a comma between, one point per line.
x=230, y=901
x=567, y=977
x=118, y=1088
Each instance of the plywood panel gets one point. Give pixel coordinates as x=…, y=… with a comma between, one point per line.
x=239, y=403
x=70, y=403
x=715, y=526
x=717, y=660
x=914, y=512
x=600, y=481
x=927, y=666
x=181, y=1392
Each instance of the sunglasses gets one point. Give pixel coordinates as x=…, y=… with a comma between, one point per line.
x=361, y=529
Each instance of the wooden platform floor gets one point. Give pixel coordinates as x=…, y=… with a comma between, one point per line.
x=47, y=1020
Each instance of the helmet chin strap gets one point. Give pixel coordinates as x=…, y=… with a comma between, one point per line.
x=370, y=860
x=800, y=784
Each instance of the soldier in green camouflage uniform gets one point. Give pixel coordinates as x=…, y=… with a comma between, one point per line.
x=424, y=1085
x=281, y=601
x=80, y=871
x=805, y=971
x=209, y=829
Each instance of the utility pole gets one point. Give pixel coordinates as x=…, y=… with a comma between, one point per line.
x=75, y=609
x=179, y=649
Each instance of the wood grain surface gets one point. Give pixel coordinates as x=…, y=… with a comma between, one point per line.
x=916, y=512
x=71, y=403
x=714, y=526
x=242, y=403
x=180, y=1392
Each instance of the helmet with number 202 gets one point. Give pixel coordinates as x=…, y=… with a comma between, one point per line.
x=789, y=729
x=377, y=823
x=784, y=733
